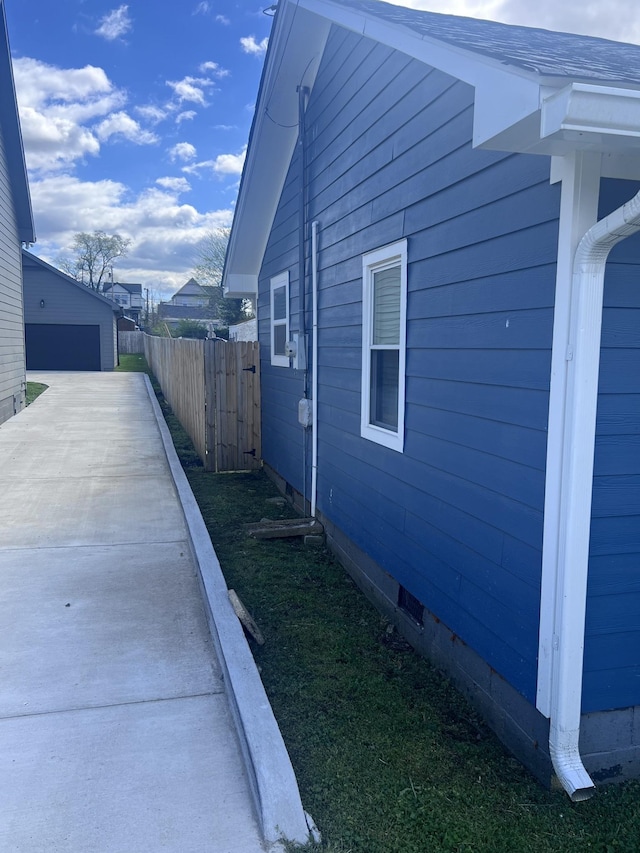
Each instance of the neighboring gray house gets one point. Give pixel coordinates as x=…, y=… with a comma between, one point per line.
x=194, y=294
x=16, y=227
x=68, y=326
x=191, y=302
x=450, y=352
x=127, y=295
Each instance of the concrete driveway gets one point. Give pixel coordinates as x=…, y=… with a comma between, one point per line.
x=118, y=731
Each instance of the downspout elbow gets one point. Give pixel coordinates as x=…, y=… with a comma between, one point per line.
x=567, y=763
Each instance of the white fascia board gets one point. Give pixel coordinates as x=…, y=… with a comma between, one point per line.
x=294, y=55
x=580, y=108
x=579, y=117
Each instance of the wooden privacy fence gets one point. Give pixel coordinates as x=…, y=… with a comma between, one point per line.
x=130, y=343
x=213, y=388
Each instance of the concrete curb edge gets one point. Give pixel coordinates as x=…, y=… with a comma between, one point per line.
x=273, y=782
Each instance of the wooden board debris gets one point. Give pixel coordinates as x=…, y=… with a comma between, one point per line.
x=283, y=528
x=245, y=619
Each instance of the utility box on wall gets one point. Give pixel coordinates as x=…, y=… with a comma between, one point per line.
x=296, y=350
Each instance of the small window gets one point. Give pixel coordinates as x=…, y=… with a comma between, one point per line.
x=279, y=319
x=384, y=309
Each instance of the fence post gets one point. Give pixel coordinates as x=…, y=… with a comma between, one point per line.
x=211, y=406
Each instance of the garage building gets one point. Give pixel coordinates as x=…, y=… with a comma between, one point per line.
x=68, y=326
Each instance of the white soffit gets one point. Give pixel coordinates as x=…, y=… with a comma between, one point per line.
x=515, y=110
x=293, y=58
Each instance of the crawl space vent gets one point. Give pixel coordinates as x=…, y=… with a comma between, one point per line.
x=410, y=605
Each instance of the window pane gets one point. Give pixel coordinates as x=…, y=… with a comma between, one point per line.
x=385, y=368
x=279, y=339
x=280, y=303
x=386, y=307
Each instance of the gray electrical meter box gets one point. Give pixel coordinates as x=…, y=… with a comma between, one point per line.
x=305, y=412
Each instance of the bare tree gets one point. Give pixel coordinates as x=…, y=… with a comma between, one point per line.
x=208, y=271
x=94, y=256
x=211, y=254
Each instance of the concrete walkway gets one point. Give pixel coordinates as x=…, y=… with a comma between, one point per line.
x=116, y=734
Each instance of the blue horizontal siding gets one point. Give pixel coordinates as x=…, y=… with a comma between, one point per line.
x=456, y=518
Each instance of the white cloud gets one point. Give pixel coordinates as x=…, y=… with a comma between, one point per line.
x=214, y=69
x=222, y=19
x=191, y=89
x=38, y=83
x=187, y=115
x=121, y=124
x=177, y=185
x=152, y=113
x=57, y=109
x=52, y=143
x=116, y=24
x=202, y=8
x=250, y=45
x=230, y=164
x=182, y=151
x=223, y=164
x=165, y=233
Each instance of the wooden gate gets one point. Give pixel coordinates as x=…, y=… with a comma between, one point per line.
x=232, y=405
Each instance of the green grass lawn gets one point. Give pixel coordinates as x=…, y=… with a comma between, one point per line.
x=34, y=389
x=132, y=364
x=389, y=757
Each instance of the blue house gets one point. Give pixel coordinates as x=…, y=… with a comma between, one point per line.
x=437, y=220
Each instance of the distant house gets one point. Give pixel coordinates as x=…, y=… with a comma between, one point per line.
x=192, y=302
x=68, y=326
x=409, y=219
x=192, y=294
x=16, y=228
x=128, y=296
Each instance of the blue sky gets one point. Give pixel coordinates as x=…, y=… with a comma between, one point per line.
x=135, y=116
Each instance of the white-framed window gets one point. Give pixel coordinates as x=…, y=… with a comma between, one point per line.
x=279, y=319
x=384, y=338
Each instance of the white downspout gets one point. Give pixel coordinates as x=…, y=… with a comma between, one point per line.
x=314, y=367
x=583, y=357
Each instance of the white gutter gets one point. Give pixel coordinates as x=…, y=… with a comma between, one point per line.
x=583, y=357
x=314, y=368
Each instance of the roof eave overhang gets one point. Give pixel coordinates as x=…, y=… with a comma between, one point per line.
x=295, y=50
x=515, y=109
x=575, y=117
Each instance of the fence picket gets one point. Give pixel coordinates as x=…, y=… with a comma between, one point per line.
x=213, y=388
